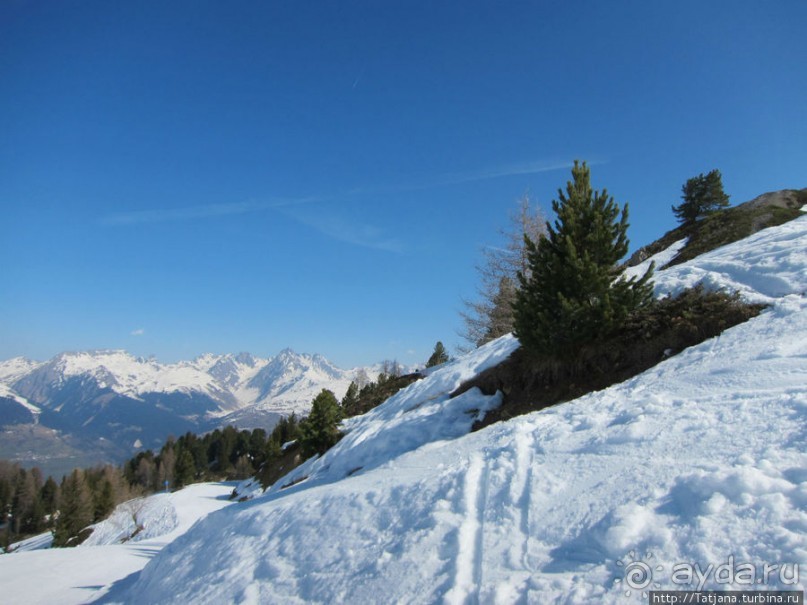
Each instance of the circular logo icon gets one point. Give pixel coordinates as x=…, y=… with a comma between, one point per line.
x=637, y=574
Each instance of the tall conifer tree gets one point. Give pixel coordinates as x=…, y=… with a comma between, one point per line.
x=701, y=195
x=575, y=293
x=75, y=510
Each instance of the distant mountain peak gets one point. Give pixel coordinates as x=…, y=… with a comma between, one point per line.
x=15, y=368
x=246, y=359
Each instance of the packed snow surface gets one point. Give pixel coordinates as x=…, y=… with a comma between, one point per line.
x=78, y=575
x=660, y=260
x=700, y=461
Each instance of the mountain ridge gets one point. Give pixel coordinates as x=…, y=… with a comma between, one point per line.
x=115, y=396
x=128, y=374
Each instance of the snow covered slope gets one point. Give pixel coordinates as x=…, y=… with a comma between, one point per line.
x=12, y=370
x=15, y=409
x=78, y=575
x=700, y=460
x=164, y=515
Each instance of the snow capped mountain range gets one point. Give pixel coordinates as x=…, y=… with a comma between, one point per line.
x=234, y=381
x=132, y=401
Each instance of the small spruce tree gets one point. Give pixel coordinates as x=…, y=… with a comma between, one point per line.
x=49, y=495
x=75, y=510
x=702, y=195
x=320, y=429
x=575, y=293
x=439, y=356
x=350, y=402
x=184, y=468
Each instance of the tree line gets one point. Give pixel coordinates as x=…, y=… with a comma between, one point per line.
x=30, y=504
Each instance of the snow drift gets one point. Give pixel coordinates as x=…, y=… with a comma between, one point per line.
x=700, y=459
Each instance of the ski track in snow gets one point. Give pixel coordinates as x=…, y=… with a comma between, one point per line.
x=468, y=573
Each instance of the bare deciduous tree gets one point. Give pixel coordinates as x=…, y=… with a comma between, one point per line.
x=361, y=379
x=490, y=315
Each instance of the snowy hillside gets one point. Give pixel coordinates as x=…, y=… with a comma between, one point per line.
x=15, y=409
x=12, y=370
x=700, y=460
x=67, y=576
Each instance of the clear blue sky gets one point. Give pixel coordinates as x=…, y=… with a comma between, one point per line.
x=184, y=177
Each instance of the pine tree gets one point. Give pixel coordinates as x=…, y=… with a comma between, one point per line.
x=26, y=507
x=257, y=445
x=350, y=402
x=439, y=356
x=198, y=451
x=224, y=449
x=37, y=519
x=320, y=430
x=575, y=293
x=104, y=500
x=184, y=469
x=500, y=314
x=6, y=495
x=75, y=510
x=50, y=496
x=702, y=195
x=272, y=449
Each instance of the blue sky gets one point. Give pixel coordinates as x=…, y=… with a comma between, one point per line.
x=184, y=177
